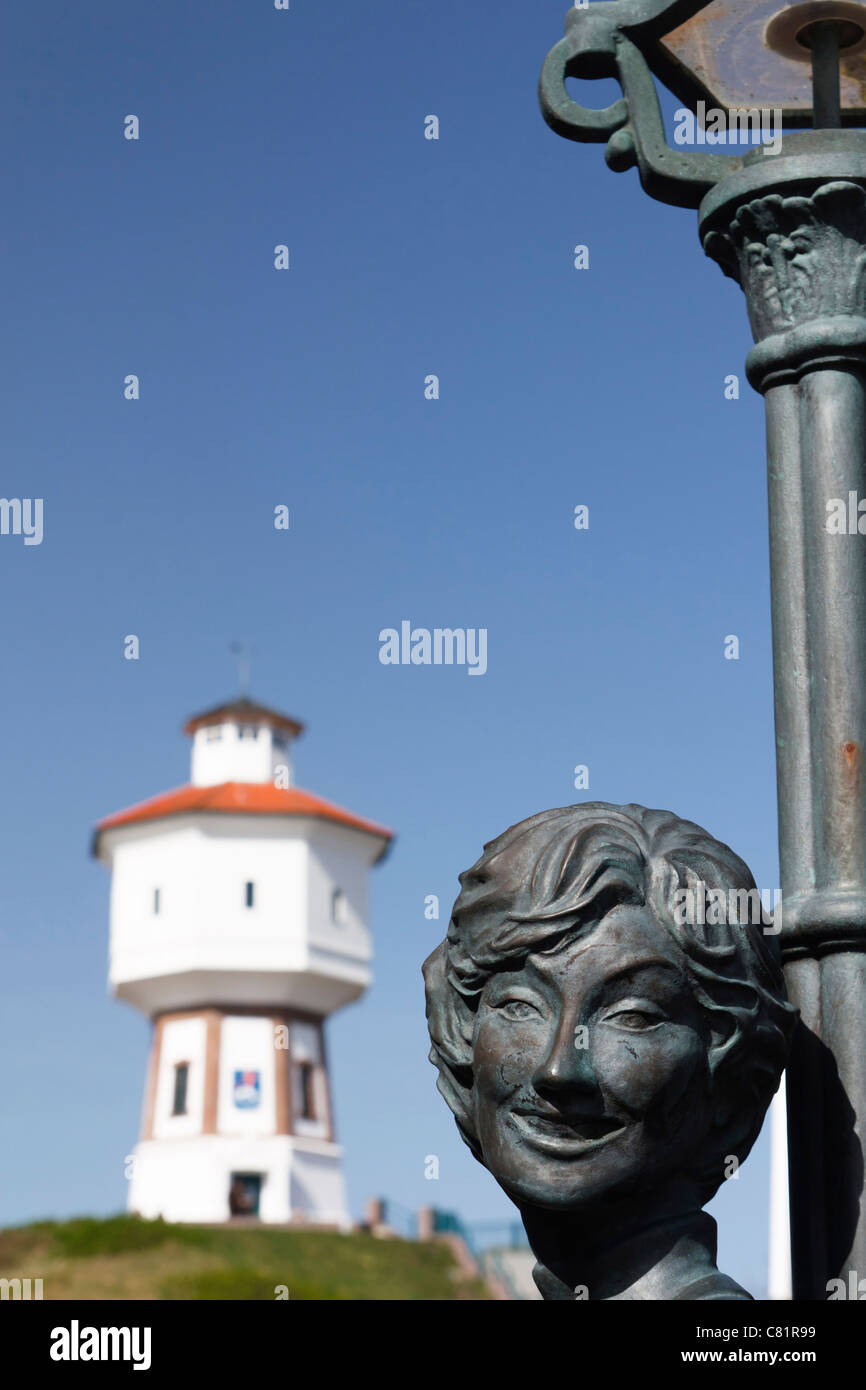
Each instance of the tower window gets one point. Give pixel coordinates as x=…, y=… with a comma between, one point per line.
x=339, y=908
x=249, y=894
x=156, y=903
x=213, y=733
x=181, y=1076
x=306, y=1076
x=249, y=731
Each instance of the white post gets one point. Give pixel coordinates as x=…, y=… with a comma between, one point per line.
x=779, y=1266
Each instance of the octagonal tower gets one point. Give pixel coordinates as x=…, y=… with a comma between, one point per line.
x=238, y=924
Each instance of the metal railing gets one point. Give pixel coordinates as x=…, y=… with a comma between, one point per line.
x=399, y=1219
x=482, y=1236
x=486, y=1241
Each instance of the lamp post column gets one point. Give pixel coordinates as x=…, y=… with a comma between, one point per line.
x=789, y=225
x=798, y=252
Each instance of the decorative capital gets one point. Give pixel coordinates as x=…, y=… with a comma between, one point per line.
x=801, y=262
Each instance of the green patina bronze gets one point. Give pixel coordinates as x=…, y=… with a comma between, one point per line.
x=609, y=1023
x=790, y=228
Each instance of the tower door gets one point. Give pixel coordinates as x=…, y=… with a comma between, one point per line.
x=244, y=1193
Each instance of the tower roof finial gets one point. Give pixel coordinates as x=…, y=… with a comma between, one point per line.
x=243, y=652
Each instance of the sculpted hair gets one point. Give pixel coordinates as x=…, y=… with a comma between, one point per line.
x=557, y=875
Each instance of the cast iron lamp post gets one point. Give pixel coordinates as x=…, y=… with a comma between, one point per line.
x=790, y=228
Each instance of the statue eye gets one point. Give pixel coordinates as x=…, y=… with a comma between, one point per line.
x=516, y=1008
x=634, y=1020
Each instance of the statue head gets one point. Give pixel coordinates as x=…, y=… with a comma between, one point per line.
x=601, y=1036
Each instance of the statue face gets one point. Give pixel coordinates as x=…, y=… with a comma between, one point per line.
x=590, y=1067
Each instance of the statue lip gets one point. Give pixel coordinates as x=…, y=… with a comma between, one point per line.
x=565, y=1132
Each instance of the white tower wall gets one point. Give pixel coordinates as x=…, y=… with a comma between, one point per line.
x=188, y=1181
x=183, y=1040
x=245, y=1044
x=239, y=752
x=286, y=947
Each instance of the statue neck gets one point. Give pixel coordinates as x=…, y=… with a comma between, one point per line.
x=655, y=1259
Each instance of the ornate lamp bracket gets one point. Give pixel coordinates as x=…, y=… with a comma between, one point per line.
x=601, y=41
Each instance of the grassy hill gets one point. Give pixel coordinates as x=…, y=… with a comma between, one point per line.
x=122, y=1257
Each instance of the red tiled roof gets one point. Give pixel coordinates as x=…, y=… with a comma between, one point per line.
x=233, y=798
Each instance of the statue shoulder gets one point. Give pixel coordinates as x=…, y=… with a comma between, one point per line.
x=714, y=1286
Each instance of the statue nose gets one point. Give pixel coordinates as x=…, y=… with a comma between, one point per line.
x=567, y=1065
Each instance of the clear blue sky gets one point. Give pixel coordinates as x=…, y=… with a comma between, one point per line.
x=306, y=387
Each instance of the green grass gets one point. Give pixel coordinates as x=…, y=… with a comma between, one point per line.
x=242, y=1283
x=122, y=1257
x=117, y=1235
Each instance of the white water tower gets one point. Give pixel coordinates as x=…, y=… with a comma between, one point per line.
x=238, y=924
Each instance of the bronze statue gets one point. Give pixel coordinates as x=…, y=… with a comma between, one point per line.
x=608, y=1042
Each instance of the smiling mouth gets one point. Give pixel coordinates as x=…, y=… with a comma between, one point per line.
x=577, y=1134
